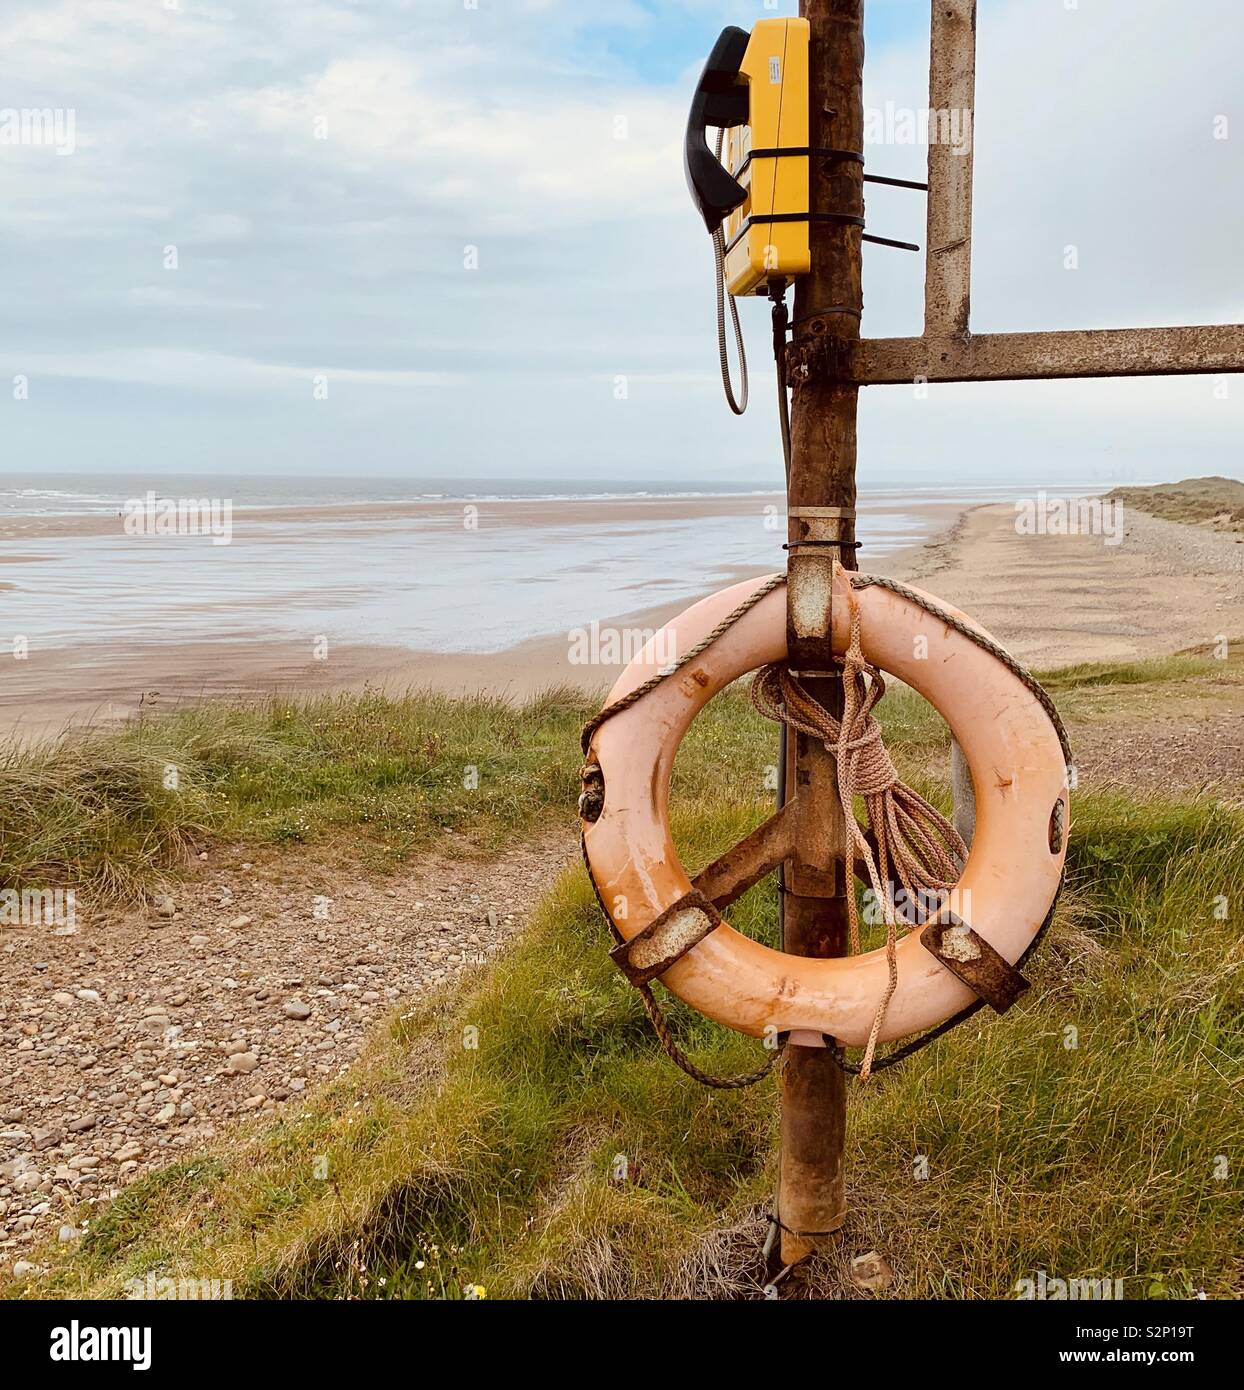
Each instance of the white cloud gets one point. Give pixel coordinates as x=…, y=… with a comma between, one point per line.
x=496, y=128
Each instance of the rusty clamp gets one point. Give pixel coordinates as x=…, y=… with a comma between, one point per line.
x=679, y=929
x=970, y=958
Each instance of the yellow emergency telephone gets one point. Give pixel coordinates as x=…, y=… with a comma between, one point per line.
x=755, y=88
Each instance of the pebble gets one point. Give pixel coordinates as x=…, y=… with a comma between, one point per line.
x=97, y=1098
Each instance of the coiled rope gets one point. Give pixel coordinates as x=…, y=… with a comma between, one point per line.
x=917, y=848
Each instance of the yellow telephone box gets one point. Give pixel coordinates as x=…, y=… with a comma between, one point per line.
x=767, y=235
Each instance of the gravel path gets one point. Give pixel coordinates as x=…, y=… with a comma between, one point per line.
x=129, y=1042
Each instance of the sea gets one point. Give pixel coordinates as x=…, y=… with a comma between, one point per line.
x=458, y=580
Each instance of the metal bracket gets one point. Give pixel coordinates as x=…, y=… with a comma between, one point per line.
x=812, y=355
x=676, y=931
x=970, y=958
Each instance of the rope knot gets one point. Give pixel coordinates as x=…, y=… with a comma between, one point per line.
x=873, y=772
x=914, y=847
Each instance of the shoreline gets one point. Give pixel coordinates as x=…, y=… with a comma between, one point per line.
x=1052, y=600
x=507, y=512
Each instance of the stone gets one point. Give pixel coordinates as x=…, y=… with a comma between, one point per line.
x=871, y=1272
x=128, y=1152
x=89, y=996
x=83, y=1124
x=23, y=1269
x=240, y=923
x=296, y=1009
x=67, y=1234
x=243, y=1063
x=62, y=998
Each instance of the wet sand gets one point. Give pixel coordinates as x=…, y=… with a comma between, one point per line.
x=1052, y=600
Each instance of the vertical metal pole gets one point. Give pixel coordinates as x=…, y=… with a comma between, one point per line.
x=948, y=264
x=952, y=146
x=812, y=1188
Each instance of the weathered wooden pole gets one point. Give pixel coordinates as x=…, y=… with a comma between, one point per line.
x=828, y=302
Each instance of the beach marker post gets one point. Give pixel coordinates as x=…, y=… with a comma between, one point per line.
x=812, y=1202
x=826, y=364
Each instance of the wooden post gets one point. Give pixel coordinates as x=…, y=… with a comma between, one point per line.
x=812, y=1188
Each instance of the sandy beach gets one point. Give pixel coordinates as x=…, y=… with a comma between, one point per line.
x=1051, y=599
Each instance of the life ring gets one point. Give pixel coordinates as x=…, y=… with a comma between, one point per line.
x=1012, y=875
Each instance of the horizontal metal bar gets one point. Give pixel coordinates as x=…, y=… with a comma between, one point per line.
x=741, y=868
x=896, y=183
x=888, y=241
x=1205, y=350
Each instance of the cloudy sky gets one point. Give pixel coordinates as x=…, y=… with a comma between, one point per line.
x=265, y=196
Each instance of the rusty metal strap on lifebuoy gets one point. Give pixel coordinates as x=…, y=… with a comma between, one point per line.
x=679, y=929
x=660, y=1024
x=970, y=958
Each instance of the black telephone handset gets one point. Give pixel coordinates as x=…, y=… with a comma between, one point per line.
x=720, y=102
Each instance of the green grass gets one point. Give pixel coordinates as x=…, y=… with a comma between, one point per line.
x=1195, y=500
x=524, y=1133
x=528, y=1136
x=95, y=811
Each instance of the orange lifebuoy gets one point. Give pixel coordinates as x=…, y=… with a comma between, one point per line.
x=1012, y=874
